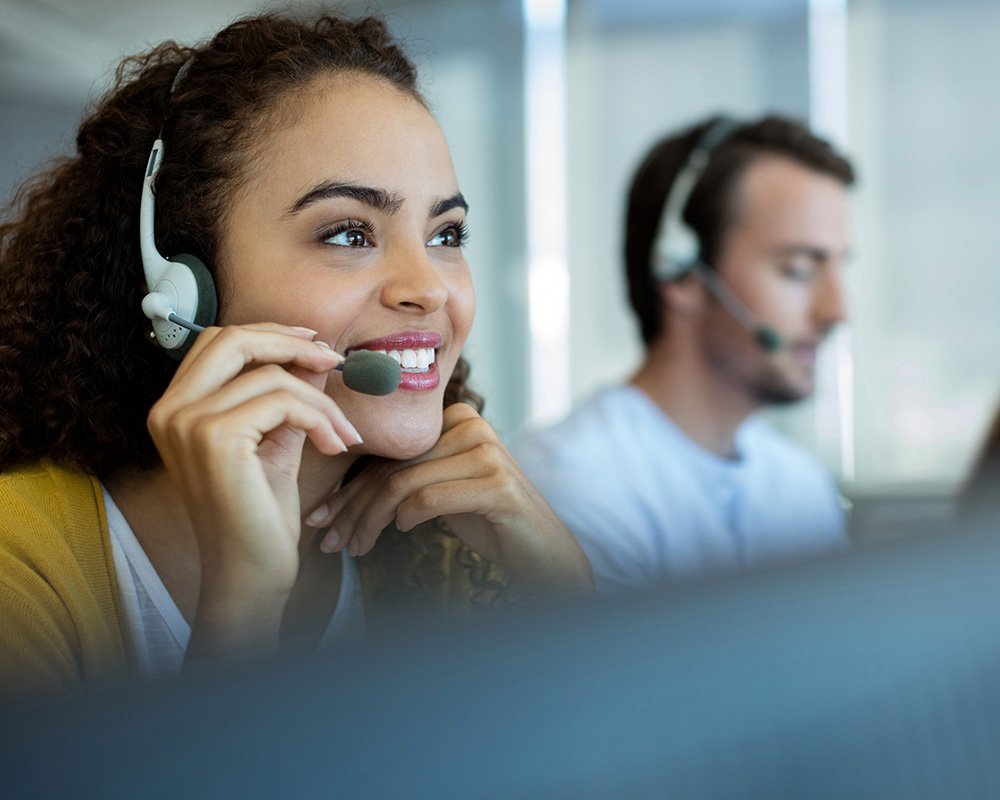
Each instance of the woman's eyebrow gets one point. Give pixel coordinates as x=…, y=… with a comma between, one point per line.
x=379, y=199
x=447, y=204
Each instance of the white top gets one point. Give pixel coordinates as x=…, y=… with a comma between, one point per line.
x=157, y=634
x=649, y=504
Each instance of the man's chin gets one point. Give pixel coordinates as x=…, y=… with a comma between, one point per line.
x=783, y=393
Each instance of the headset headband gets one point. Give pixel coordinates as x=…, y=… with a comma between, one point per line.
x=676, y=248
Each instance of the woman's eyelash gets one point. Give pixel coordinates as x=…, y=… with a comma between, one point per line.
x=347, y=225
x=462, y=230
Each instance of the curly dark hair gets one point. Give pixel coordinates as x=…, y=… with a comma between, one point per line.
x=78, y=373
x=710, y=208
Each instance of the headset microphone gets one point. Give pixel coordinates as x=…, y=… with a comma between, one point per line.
x=676, y=251
x=365, y=371
x=766, y=338
x=370, y=372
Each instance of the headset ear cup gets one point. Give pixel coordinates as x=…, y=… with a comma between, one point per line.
x=207, y=307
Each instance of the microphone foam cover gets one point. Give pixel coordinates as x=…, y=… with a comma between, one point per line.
x=768, y=339
x=373, y=373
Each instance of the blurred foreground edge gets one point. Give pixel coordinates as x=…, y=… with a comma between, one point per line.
x=875, y=674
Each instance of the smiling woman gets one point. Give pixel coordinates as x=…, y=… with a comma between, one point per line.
x=154, y=512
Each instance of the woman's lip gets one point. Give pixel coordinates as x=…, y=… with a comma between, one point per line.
x=420, y=381
x=406, y=340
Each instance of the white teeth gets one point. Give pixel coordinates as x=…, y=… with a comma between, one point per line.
x=416, y=360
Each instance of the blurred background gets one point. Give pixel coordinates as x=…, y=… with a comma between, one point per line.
x=550, y=104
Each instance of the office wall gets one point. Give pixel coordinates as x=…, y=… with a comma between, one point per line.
x=925, y=286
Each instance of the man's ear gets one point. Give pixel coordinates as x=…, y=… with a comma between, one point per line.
x=683, y=298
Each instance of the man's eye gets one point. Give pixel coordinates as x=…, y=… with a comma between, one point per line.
x=798, y=272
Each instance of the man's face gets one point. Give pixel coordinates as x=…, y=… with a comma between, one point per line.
x=782, y=256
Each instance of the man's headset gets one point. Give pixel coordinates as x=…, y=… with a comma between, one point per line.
x=182, y=297
x=676, y=251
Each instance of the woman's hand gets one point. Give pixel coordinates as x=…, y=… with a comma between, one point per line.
x=230, y=429
x=471, y=480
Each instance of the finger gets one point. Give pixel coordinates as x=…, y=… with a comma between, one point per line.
x=500, y=489
x=362, y=521
x=479, y=496
x=243, y=428
x=264, y=380
x=345, y=510
x=369, y=478
x=230, y=350
x=349, y=513
x=206, y=336
x=457, y=413
x=462, y=431
x=363, y=507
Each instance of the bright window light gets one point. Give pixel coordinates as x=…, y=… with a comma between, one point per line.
x=548, y=268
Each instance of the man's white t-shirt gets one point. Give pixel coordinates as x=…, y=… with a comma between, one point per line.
x=157, y=634
x=648, y=504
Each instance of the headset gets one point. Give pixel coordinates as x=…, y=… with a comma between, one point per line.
x=182, y=299
x=676, y=251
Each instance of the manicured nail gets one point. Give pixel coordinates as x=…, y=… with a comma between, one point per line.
x=316, y=518
x=327, y=349
x=330, y=542
x=354, y=433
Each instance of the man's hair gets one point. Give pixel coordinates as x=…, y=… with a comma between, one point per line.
x=710, y=209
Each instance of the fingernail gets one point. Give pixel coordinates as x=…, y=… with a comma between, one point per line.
x=355, y=434
x=318, y=515
x=307, y=332
x=354, y=548
x=327, y=349
x=330, y=542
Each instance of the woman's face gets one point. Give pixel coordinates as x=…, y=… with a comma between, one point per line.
x=351, y=224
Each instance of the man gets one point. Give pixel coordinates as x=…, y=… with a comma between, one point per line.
x=734, y=243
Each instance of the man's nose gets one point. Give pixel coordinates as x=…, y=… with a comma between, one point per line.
x=829, y=306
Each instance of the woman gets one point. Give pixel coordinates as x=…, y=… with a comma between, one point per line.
x=154, y=513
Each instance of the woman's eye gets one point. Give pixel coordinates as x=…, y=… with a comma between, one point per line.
x=452, y=236
x=349, y=237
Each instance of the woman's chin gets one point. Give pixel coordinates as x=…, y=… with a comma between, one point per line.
x=403, y=444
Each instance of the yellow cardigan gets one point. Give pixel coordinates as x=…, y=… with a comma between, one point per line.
x=60, y=620
x=61, y=623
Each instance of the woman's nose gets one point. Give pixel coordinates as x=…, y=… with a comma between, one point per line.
x=413, y=282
